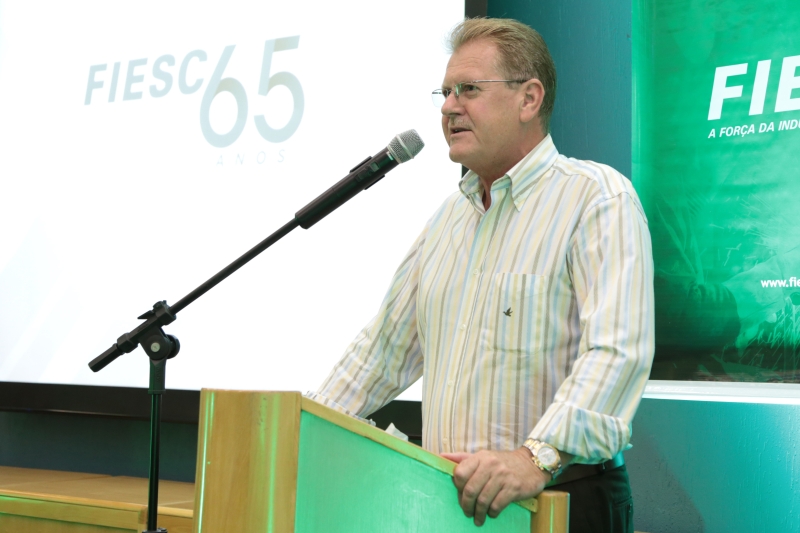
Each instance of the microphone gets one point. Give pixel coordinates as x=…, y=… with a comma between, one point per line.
x=404, y=147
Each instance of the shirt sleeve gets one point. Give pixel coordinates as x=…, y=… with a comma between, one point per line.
x=611, y=267
x=386, y=357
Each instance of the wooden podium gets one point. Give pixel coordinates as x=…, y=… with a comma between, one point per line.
x=278, y=462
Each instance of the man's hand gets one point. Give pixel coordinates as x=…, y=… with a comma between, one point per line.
x=488, y=481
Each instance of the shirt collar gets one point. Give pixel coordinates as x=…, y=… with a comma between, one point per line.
x=521, y=177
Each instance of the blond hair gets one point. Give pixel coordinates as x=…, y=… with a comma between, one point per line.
x=523, y=54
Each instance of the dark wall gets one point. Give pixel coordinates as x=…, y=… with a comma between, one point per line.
x=590, y=41
x=102, y=430
x=96, y=444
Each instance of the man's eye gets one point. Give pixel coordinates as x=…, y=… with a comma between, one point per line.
x=469, y=89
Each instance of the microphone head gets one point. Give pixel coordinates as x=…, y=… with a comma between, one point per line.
x=405, y=146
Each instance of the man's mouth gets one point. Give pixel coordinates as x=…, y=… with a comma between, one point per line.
x=457, y=130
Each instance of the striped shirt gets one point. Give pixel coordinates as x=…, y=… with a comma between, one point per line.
x=533, y=318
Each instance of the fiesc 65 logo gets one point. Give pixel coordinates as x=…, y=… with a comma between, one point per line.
x=163, y=72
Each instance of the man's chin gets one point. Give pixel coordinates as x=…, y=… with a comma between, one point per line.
x=458, y=154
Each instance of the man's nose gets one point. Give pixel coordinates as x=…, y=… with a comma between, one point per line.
x=451, y=105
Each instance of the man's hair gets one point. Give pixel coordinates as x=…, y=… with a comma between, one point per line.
x=522, y=54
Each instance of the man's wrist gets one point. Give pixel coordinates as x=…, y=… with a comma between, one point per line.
x=524, y=450
x=545, y=457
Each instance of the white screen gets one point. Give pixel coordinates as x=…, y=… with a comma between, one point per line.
x=109, y=206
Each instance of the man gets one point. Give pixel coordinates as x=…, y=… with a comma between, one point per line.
x=526, y=302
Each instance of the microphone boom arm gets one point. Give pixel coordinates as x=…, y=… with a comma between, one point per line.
x=160, y=346
x=403, y=147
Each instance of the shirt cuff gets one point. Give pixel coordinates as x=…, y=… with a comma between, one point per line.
x=590, y=436
x=335, y=406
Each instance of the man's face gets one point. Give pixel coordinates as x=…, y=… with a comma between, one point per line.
x=482, y=125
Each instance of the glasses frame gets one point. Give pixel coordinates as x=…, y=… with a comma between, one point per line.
x=437, y=94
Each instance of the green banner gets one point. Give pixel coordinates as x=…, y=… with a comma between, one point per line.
x=716, y=161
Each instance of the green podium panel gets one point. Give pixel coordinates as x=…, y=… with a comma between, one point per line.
x=349, y=484
x=271, y=462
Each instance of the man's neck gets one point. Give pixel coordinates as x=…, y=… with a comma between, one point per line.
x=487, y=198
x=489, y=175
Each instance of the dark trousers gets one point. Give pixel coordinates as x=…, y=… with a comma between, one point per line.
x=600, y=504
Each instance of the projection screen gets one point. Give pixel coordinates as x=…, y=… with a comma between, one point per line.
x=144, y=147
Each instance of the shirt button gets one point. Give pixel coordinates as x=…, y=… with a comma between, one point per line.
x=476, y=271
x=450, y=383
x=463, y=327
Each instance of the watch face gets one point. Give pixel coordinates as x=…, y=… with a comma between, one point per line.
x=547, y=456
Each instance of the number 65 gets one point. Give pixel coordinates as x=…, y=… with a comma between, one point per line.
x=217, y=84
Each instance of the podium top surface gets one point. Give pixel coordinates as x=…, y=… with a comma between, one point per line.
x=12, y=477
x=63, y=486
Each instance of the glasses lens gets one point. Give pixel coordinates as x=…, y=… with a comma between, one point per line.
x=438, y=98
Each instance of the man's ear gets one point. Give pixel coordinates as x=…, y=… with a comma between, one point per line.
x=534, y=96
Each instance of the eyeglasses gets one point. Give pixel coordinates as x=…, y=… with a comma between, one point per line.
x=465, y=87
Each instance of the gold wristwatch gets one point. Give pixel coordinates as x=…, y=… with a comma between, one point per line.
x=545, y=457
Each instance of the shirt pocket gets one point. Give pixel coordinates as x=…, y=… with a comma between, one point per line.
x=514, y=312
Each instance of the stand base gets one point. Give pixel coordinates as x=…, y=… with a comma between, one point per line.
x=159, y=530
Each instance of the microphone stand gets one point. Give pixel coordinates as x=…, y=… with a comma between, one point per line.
x=159, y=346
